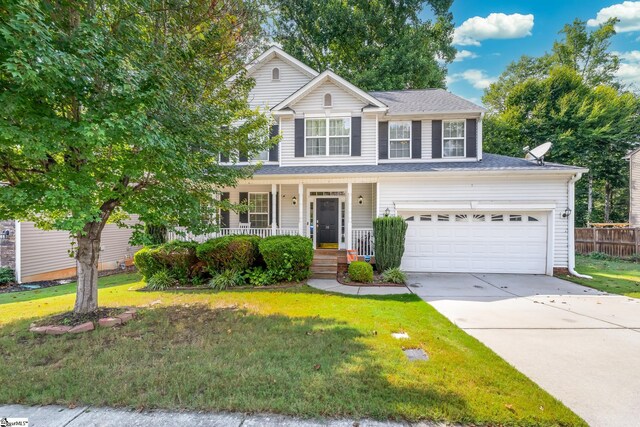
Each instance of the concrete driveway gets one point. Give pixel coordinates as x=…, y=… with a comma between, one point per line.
x=579, y=344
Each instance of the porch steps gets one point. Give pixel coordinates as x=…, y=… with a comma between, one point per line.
x=325, y=264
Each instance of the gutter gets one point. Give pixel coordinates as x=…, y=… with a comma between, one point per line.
x=571, y=227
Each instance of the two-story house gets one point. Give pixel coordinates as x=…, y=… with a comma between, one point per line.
x=347, y=156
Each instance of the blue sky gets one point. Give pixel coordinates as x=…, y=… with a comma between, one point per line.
x=491, y=34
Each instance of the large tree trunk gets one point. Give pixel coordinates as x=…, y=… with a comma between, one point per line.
x=87, y=253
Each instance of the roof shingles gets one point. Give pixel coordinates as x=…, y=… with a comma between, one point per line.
x=425, y=101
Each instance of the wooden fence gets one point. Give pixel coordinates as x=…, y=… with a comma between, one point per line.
x=616, y=242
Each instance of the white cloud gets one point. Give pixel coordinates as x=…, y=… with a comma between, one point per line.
x=461, y=55
x=494, y=26
x=629, y=71
x=627, y=12
x=476, y=78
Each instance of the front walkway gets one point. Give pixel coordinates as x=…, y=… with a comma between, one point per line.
x=579, y=344
x=332, y=285
x=60, y=416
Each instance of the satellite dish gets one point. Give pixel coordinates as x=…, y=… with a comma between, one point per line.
x=538, y=152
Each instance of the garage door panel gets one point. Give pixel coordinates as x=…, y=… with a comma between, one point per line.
x=477, y=246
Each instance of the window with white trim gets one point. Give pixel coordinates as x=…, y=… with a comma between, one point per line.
x=330, y=136
x=453, y=137
x=259, y=210
x=262, y=156
x=400, y=140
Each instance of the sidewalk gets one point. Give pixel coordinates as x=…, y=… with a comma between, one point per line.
x=331, y=285
x=60, y=416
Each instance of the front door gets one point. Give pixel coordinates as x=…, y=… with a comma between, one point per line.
x=327, y=223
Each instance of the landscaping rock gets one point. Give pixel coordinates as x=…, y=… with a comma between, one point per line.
x=38, y=329
x=132, y=311
x=84, y=327
x=108, y=322
x=57, y=330
x=125, y=317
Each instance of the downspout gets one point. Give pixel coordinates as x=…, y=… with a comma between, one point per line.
x=571, y=227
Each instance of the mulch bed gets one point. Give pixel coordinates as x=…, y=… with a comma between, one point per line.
x=343, y=278
x=34, y=286
x=284, y=285
x=71, y=319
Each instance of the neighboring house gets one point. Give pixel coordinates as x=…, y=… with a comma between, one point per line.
x=37, y=255
x=634, y=188
x=347, y=156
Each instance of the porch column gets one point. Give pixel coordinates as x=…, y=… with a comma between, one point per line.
x=349, y=216
x=274, y=209
x=300, y=209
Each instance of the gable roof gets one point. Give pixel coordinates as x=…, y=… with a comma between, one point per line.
x=272, y=52
x=329, y=75
x=425, y=101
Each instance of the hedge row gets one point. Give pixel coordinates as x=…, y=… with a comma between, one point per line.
x=228, y=260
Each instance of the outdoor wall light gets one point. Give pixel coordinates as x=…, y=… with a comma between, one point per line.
x=360, y=199
x=387, y=212
x=566, y=213
x=294, y=201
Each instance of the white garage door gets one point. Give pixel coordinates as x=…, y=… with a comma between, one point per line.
x=476, y=242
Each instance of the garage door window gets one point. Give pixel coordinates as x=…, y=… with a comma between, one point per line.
x=443, y=217
x=425, y=217
x=478, y=218
x=496, y=218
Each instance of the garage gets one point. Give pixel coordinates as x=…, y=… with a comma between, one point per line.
x=476, y=242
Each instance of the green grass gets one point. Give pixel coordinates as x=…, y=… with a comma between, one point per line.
x=614, y=276
x=298, y=351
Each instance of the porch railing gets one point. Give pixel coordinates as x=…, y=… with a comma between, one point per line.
x=262, y=232
x=362, y=241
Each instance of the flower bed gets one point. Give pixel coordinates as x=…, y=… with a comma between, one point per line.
x=78, y=323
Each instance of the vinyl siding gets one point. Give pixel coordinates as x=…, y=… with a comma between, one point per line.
x=495, y=189
x=634, y=190
x=268, y=93
x=48, y=251
x=363, y=214
x=234, y=197
x=342, y=101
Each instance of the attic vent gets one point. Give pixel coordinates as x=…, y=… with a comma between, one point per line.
x=275, y=74
x=327, y=100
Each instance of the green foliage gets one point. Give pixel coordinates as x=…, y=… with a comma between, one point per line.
x=394, y=275
x=161, y=280
x=155, y=234
x=287, y=257
x=389, y=234
x=361, y=271
x=375, y=44
x=7, y=275
x=178, y=258
x=146, y=262
x=258, y=276
x=237, y=252
x=226, y=279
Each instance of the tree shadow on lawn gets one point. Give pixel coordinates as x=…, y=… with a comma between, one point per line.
x=198, y=357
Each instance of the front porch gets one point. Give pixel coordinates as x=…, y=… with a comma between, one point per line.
x=335, y=216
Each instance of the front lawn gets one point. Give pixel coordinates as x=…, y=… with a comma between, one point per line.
x=299, y=351
x=614, y=276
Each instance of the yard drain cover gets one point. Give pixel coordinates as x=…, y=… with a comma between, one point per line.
x=400, y=335
x=414, y=354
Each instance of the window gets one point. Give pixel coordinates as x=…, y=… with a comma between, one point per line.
x=478, y=218
x=327, y=100
x=533, y=219
x=461, y=218
x=411, y=218
x=263, y=155
x=332, y=136
x=496, y=218
x=259, y=210
x=515, y=218
x=275, y=74
x=443, y=217
x=453, y=136
x=399, y=140
x=425, y=217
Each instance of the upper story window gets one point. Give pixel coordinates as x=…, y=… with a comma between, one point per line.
x=453, y=137
x=327, y=100
x=263, y=155
x=328, y=136
x=275, y=74
x=399, y=140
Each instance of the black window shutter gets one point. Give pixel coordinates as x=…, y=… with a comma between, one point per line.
x=224, y=158
x=356, y=136
x=243, y=157
x=436, y=139
x=472, y=138
x=416, y=139
x=278, y=209
x=224, y=213
x=383, y=140
x=273, y=151
x=270, y=210
x=244, y=200
x=299, y=137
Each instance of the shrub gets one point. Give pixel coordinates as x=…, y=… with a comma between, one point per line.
x=229, y=253
x=161, y=280
x=389, y=233
x=177, y=258
x=7, y=275
x=394, y=275
x=288, y=258
x=146, y=262
x=226, y=279
x=258, y=276
x=361, y=271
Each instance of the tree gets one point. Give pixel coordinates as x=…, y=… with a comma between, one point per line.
x=375, y=44
x=116, y=108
